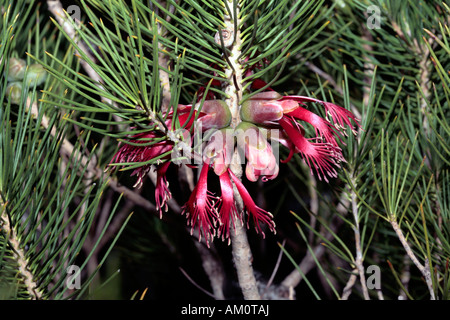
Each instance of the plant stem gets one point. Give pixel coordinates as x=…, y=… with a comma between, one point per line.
x=242, y=255
x=348, y=287
x=20, y=255
x=424, y=269
x=359, y=256
x=230, y=38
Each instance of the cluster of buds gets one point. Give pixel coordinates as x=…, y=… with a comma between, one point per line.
x=20, y=75
x=268, y=119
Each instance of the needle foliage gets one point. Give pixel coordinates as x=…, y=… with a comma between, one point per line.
x=385, y=60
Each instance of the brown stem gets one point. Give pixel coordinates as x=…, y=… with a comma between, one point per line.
x=424, y=269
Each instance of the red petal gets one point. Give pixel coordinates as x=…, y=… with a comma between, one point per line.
x=200, y=209
x=258, y=84
x=227, y=207
x=340, y=116
x=259, y=215
x=162, y=192
x=321, y=156
x=323, y=128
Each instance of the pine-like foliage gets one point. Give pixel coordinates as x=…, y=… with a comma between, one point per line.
x=116, y=70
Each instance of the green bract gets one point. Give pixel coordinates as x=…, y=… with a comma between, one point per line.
x=14, y=92
x=35, y=75
x=16, y=69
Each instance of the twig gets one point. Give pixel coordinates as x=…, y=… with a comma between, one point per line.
x=404, y=278
x=242, y=255
x=275, y=269
x=20, y=255
x=308, y=262
x=359, y=256
x=163, y=62
x=195, y=284
x=213, y=269
x=424, y=269
x=369, y=67
x=57, y=10
x=348, y=287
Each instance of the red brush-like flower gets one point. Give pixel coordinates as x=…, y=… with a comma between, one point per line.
x=212, y=215
x=138, y=150
x=258, y=214
x=227, y=207
x=321, y=152
x=320, y=155
x=142, y=148
x=199, y=209
x=162, y=192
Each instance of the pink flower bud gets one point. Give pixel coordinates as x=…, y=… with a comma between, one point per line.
x=217, y=114
x=269, y=173
x=260, y=111
x=219, y=150
x=260, y=158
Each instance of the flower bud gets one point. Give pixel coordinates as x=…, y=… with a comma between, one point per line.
x=219, y=149
x=14, y=92
x=16, y=69
x=217, y=114
x=268, y=173
x=260, y=111
x=35, y=75
x=266, y=95
x=253, y=141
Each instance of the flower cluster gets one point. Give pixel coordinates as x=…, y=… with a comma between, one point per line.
x=321, y=152
x=268, y=119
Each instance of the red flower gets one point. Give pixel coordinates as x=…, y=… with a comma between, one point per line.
x=139, y=149
x=258, y=214
x=212, y=215
x=199, y=209
x=320, y=155
x=162, y=192
x=227, y=206
x=204, y=211
x=321, y=152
